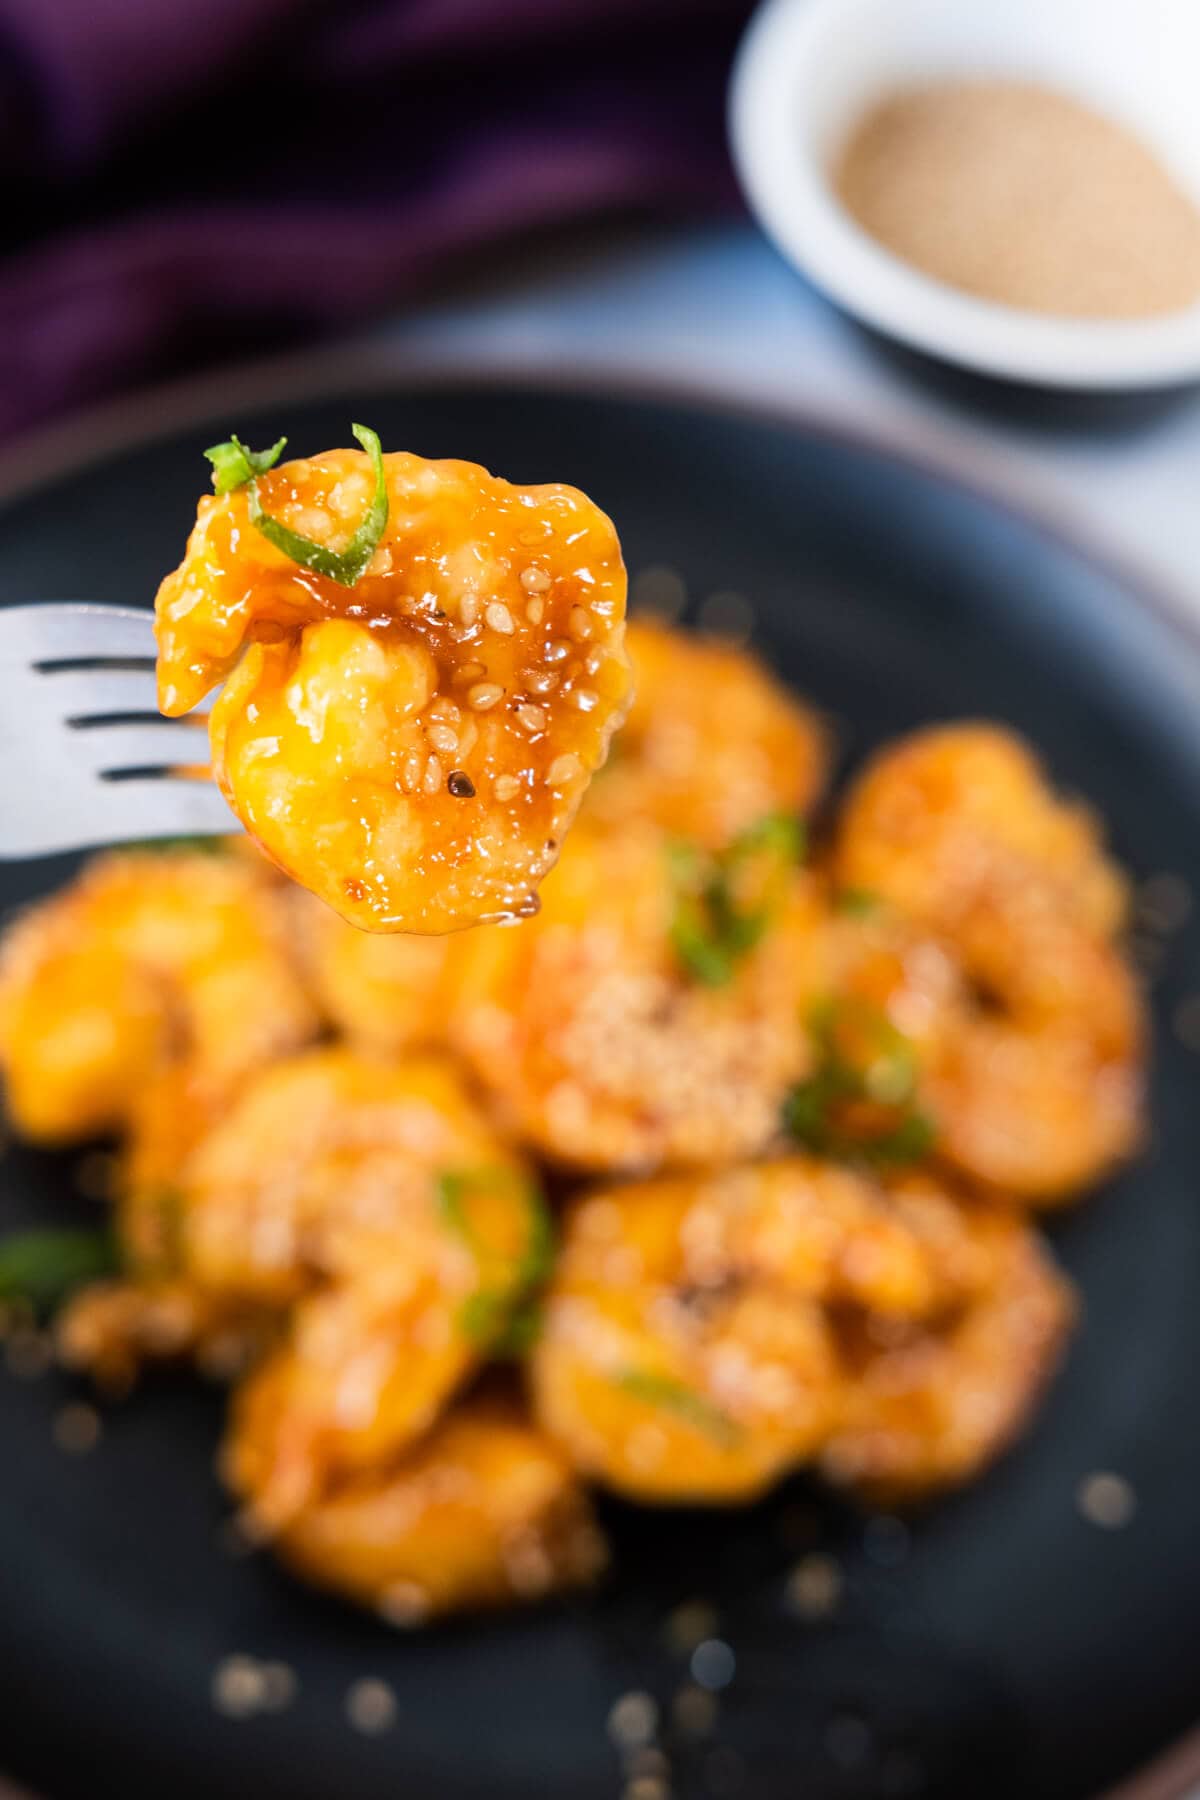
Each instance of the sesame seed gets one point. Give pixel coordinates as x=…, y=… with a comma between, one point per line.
x=563, y=769
x=532, y=718
x=238, y=1688
x=443, y=737
x=633, y=1719
x=410, y=772
x=557, y=650
x=498, y=617
x=534, y=611
x=371, y=1706
x=468, y=737
x=431, y=781
x=1106, y=1500
x=693, y=1710
x=468, y=610
x=579, y=624
x=485, y=694
x=460, y=785
x=77, y=1429
x=535, y=581
x=814, y=1586
x=470, y=671
x=505, y=786
x=540, y=681
x=713, y=1664
x=404, y=1604
x=689, y=1625
x=585, y=699
x=313, y=522
x=381, y=562
x=444, y=709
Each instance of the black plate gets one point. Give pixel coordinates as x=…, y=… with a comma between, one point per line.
x=1008, y=1647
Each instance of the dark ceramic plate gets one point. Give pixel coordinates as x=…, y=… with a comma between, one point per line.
x=1006, y=1647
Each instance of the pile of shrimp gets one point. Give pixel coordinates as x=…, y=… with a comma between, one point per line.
x=720, y=1166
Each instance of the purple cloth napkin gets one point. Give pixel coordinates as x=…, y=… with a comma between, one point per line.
x=182, y=178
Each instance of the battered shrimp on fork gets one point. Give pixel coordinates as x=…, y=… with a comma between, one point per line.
x=422, y=668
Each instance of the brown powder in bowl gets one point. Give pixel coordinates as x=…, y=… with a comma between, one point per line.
x=1021, y=195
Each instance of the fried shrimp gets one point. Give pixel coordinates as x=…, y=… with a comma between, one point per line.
x=484, y=1511
x=412, y=747
x=376, y=1202
x=148, y=961
x=385, y=993
x=929, y=1408
x=647, y=1018
x=687, y=1351
x=1037, y=1089
x=712, y=744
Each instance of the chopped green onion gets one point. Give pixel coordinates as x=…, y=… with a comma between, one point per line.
x=670, y=1395
x=43, y=1267
x=503, y=1319
x=811, y=1111
x=713, y=927
x=199, y=846
x=234, y=465
x=347, y=566
x=858, y=903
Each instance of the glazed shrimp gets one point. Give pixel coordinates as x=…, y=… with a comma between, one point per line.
x=484, y=1511
x=932, y=1407
x=410, y=741
x=148, y=961
x=375, y=1202
x=1038, y=1088
x=712, y=744
x=629, y=1027
x=687, y=1353
x=385, y=994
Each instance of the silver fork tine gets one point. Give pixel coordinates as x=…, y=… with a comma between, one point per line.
x=82, y=693
x=63, y=730
x=102, y=748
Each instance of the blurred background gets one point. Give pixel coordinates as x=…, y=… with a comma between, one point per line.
x=528, y=183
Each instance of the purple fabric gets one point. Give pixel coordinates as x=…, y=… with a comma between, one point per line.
x=181, y=178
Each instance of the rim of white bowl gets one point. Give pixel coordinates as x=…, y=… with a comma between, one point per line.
x=790, y=195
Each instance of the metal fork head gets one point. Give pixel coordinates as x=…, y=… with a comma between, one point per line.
x=89, y=758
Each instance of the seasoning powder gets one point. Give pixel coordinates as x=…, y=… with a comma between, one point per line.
x=1021, y=195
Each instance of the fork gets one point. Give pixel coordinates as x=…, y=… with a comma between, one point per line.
x=87, y=757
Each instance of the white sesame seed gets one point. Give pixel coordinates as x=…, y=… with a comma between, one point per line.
x=1106, y=1500
x=77, y=1429
x=371, y=1706
x=814, y=1586
x=533, y=718
x=505, y=786
x=563, y=769
x=442, y=737
x=485, y=694
x=534, y=611
x=470, y=671
x=444, y=709
x=540, y=681
x=381, y=562
x=468, y=610
x=557, y=650
x=713, y=1664
x=237, y=1687
x=498, y=618
x=585, y=699
x=535, y=581
x=410, y=772
x=431, y=781
x=633, y=1719
x=313, y=522
x=404, y=1604
x=579, y=624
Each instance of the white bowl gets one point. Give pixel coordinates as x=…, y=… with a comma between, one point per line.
x=808, y=68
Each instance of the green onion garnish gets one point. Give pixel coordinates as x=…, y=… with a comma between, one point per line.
x=43, y=1267
x=815, y=1110
x=716, y=920
x=234, y=466
x=503, y=1318
x=858, y=903
x=666, y=1392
